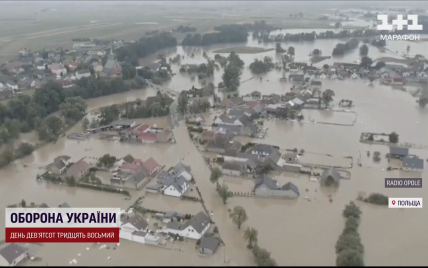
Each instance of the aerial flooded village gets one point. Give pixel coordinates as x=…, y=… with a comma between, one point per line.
x=227, y=135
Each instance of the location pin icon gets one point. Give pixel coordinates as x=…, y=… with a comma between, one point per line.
x=393, y=202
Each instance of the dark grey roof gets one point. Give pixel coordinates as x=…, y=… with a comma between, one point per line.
x=11, y=252
x=267, y=181
x=218, y=145
x=244, y=119
x=398, y=151
x=63, y=157
x=139, y=177
x=155, y=187
x=231, y=128
x=178, y=183
x=256, y=93
x=251, y=127
x=290, y=186
x=59, y=164
x=251, y=163
x=209, y=242
x=137, y=221
x=64, y=205
x=109, y=64
x=412, y=161
x=316, y=83
x=331, y=172
x=169, y=214
x=181, y=166
x=198, y=222
x=263, y=148
x=43, y=205
x=236, y=166
x=227, y=119
x=274, y=156
x=235, y=112
x=128, y=158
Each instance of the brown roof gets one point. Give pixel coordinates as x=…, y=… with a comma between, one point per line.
x=150, y=164
x=131, y=166
x=78, y=169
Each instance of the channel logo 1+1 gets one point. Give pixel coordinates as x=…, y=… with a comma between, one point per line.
x=404, y=202
x=399, y=22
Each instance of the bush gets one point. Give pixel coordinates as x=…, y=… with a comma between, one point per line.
x=103, y=188
x=377, y=199
x=352, y=210
x=349, y=241
x=215, y=230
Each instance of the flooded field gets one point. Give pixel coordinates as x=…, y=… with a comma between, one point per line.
x=297, y=232
x=330, y=116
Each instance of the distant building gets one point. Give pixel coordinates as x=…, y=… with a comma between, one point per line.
x=413, y=163
x=12, y=254
x=398, y=152
x=267, y=187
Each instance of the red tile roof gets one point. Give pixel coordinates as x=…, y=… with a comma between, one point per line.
x=147, y=136
x=252, y=104
x=131, y=166
x=150, y=164
x=135, y=130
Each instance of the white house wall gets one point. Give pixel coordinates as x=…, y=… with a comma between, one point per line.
x=189, y=232
x=171, y=191
x=231, y=172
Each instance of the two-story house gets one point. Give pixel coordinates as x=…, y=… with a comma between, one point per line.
x=194, y=228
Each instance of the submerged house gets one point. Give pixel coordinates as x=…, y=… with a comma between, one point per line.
x=265, y=186
x=194, y=228
x=330, y=177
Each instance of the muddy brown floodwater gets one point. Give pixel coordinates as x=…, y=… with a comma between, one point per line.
x=298, y=232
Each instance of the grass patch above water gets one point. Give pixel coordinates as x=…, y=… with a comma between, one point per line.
x=243, y=50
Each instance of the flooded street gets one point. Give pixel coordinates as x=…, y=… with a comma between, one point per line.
x=297, y=232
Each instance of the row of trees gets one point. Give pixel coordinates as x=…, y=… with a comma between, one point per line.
x=267, y=37
x=231, y=33
x=238, y=215
x=10, y=154
x=153, y=106
x=25, y=113
x=341, y=48
x=349, y=248
x=144, y=47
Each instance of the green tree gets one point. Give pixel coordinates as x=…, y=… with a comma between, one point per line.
x=364, y=50
x=231, y=77
x=351, y=225
x=107, y=161
x=23, y=203
x=85, y=123
x=183, y=102
x=393, y=137
x=291, y=51
x=366, y=62
x=25, y=149
x=262, y=257
x=54, y=125
x=238, y=216
x=352, y=210
x=251, y=235
x=316, y=52
x=224, y=193
x=327, y=97
x=349, y=257
x=215, y=175
x=349, y=241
